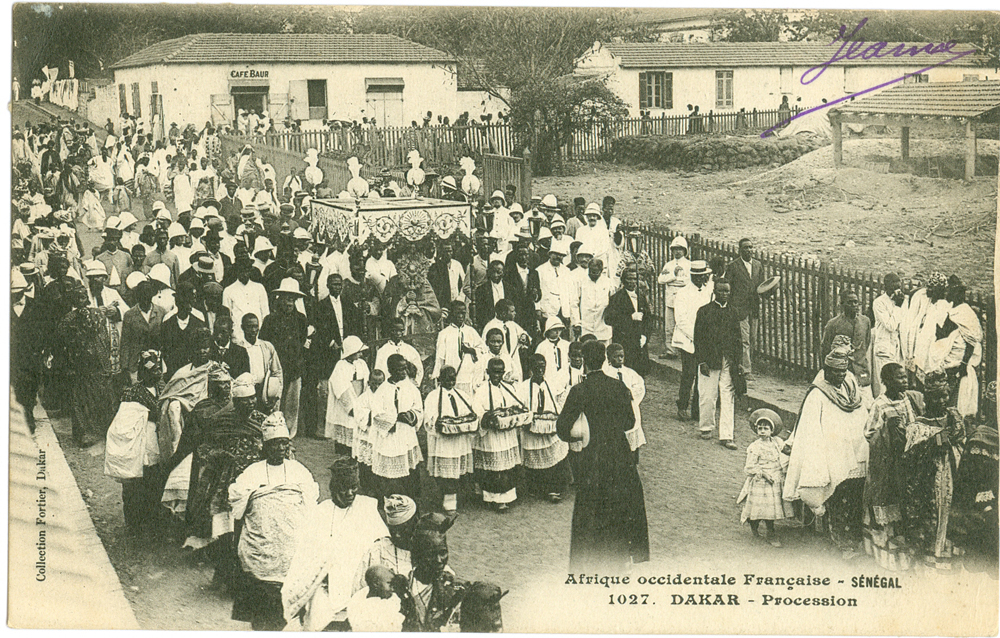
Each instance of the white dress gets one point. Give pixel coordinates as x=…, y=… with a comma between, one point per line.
x=346, y=384
x=395, y=449
x=449, y=456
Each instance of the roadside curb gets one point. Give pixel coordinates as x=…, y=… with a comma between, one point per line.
x=60, y=576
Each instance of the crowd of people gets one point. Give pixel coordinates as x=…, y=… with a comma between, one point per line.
x=213, y=324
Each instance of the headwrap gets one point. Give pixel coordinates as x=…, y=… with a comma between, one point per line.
x=937, y=280
x=274, y=427
x=399, y=509
x=935, y=381
x=839, y=358
x=345, y=470
x=150, y=360
x=435, y=522
x=764, y=414
x=219, y=373
x=243, y=386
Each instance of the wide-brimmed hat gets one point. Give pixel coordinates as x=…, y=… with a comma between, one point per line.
x=679, y=242
x=301, y=233
x=557, y=220
x=352, y=345
x=289, y=286
x=553, y=322
x=261, y=244
x=449, y=183
x=134, y=279
x=769, y=284
x=593, y=209
x=160, y=273
x=95, y=268
x=765, y=414
x=126, y=220
x=550, y=202
x=112, y=223
x=700, y=267
x=498, y=194
x=175, y=230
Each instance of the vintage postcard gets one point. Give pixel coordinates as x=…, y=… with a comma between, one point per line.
x=522, y=319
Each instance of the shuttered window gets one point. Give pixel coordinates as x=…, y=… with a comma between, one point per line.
x=656, y=90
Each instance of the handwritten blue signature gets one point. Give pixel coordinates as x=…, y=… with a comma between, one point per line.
x=856, y=50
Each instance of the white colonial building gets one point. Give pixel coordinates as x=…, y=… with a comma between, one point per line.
x=309, y=77
x=664, y=77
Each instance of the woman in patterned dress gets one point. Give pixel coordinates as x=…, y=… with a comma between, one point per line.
x=933, y=444
x=91, y=360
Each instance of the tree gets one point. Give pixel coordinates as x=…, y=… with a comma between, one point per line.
x=752, y=25
x=546, y=117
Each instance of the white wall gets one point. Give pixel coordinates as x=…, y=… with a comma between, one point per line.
x=187, y=89
x=104, y=105
x=758, y=88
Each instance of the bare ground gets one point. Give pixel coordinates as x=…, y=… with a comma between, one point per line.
x=854, y=217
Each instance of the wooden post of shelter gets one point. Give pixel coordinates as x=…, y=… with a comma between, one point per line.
x=970, y=150
x=838, y=140
x=904, y=142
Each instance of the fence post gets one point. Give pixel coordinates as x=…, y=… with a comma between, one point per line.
x=525, y=186
x=695, y=247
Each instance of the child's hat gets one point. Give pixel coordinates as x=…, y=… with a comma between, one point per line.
x=764, y=414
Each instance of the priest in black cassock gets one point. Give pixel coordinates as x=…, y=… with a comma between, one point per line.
x=609, y=517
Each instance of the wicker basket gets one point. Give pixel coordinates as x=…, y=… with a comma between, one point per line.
x=543, y=423
x=451, y=425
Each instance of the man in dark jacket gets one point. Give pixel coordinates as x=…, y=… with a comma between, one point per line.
x=717, y=349
x=286, y=329
x=523, y=294
x=609, y=528
x=629, y=315
x=227, y=352
x=489, y=293
x=744, y=275
x=177, y=331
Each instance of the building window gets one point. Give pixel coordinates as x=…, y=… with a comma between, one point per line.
x=317, y=99
x=154, y=88
x=723, y=89
x=123, y=99
x=970, y=78
x=656, y=90
x=136, y=100
x=917, y=78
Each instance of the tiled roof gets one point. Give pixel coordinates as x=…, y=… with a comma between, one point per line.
x=954, y=99
x=733, y=54
x=207, y=48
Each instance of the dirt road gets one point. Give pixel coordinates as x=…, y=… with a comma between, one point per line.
x=853, y=217
x=690, y=491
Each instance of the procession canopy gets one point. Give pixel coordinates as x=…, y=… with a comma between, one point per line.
x=390, y=219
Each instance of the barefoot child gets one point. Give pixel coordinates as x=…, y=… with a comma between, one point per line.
x=765, y=470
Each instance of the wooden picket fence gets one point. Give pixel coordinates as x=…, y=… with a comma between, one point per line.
x=445, y=145
x=790, y=329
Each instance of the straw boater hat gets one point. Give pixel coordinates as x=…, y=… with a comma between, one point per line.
x=764, y=414
x=768, y=285
x=700, y=267
x=204, y=264
x=352, y=345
